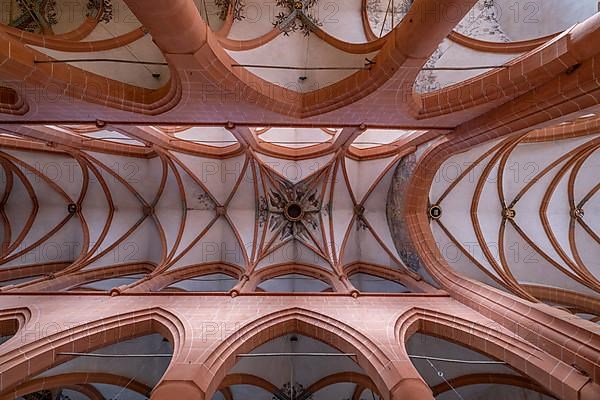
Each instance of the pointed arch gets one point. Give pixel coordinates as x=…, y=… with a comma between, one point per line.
x=494, y=341
x=369, y=356
x=36, y=357
x=11, y=321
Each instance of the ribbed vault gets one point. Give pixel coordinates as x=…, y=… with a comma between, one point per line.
x=150, y=219
x=183, y=182
x=530, y=201
x=118, y=56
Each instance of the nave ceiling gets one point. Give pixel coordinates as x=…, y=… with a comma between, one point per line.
x=153, y=219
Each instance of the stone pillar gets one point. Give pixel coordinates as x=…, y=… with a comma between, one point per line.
x=177, y=390
x=411, y=389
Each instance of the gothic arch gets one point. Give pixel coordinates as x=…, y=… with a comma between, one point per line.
x=527, y=320
x=376, y=364
x=496, y=379
x=497, y=343
x=12, y=321
x=20, y=364
x=76, y=379
x=306, y=270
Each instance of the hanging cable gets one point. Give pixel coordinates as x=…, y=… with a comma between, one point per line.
x=258, y=355
x=80, y=60
x=450, y=360
x=91, y=139
x=441, y=375
x=367, y=67
x=277, y=278
x=305, y=68
x=293, y=341
x=128, y=48
x=264, y=66
x=98, y=355
x=305, y=76
x=115, y=397
x=464, y=68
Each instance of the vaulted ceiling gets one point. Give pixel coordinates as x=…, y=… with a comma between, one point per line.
x=162, y=216
x=520, y=213
x=256, y=63
x=231, y=147
x=176, y=206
